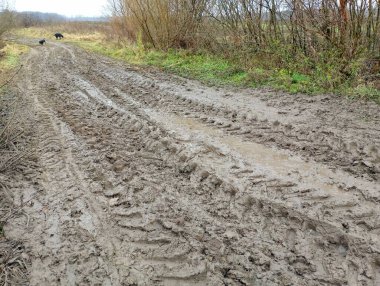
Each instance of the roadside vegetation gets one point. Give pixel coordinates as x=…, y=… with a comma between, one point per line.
x=10, y=55
x=215, y=69
x=13, y=267
x=9, y=105
x=291, y=45
x=295, y=45
x=9, y=52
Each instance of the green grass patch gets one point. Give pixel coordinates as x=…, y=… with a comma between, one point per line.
x=10, y=56
x=216, y=70
x=363, y=91
x=204, y=67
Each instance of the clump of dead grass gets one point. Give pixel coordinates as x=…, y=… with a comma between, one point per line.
x=13, y=264
x=13, y=149
x=10, y=131
x=13, y=260
x=10, y=107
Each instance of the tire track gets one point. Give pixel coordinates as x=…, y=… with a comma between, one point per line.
x=358, y=198
x=130, y=197
x=249, y=116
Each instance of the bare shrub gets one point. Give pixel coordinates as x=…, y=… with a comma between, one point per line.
x=294, y=34
x=7, y=17
x=162, y=23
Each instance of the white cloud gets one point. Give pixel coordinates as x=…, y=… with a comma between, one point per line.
x=64, y=7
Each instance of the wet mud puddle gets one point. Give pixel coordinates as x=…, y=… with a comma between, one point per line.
x=265, y=161
x=269, y=161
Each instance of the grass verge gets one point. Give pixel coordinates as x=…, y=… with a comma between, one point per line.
x=216, y=70
x=9, y=128
x=10, y=57
x=13, y=266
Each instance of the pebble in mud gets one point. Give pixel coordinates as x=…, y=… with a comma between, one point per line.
x=119, y=165
x=111, y=157
x=188, y=168
x=165, y=142
x=112, y=192
x=230, y=189
x=231, y=235
x=215, y=246
x=203, y=175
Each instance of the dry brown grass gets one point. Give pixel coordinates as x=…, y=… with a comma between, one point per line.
x=10, y=107
x=13, y=262
x=72, y=31
x=10, y=132
x=160, y=23
x=13, y=149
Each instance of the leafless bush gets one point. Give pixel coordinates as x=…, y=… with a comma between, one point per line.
x=161, y=23
x=7, y=17
x=288, y=29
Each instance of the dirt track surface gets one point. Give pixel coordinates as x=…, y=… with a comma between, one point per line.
x=141, y=178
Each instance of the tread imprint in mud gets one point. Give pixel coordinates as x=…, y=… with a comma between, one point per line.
x=124, y=198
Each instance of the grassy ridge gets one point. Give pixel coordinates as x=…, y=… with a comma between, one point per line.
x=10, y=57
x=215, y=70
x=200, y=66
x=212, y=69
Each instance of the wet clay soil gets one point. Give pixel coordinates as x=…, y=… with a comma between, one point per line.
x=144, y=178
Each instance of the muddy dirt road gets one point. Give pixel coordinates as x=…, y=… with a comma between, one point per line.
x=142, y=178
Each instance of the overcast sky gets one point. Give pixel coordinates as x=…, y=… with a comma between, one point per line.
x=64, y=7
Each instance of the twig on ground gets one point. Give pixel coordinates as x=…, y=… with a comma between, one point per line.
x=12, y=77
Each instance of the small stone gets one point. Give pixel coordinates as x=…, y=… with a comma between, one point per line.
x=113, y=201
x=231, y=235
x=368, y=164
x=112, y=192
x=119, y=166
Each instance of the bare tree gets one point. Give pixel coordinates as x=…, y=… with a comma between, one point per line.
x=7, y=17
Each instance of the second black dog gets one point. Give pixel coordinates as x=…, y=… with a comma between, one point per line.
x=42, y=42
x=58, y=36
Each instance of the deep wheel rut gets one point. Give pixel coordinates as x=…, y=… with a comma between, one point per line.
x=143, y=178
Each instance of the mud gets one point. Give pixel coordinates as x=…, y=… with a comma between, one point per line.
x=144, y=178
x=15, y=147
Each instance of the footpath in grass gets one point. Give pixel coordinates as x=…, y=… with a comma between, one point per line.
x=212, y=69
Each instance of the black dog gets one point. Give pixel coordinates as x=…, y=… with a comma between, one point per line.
x=58, y=36
x=42, y=42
